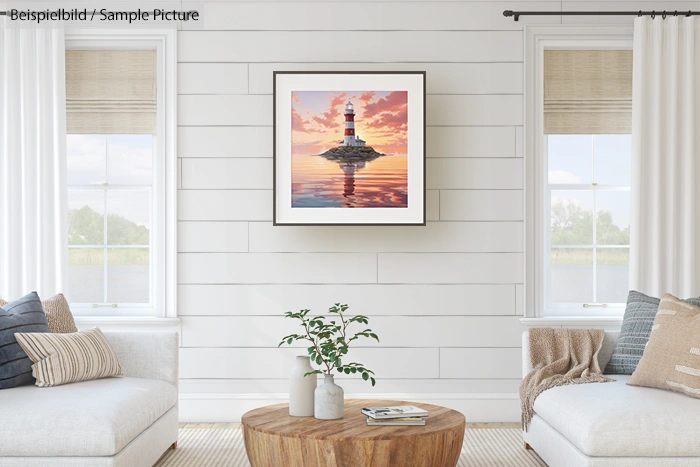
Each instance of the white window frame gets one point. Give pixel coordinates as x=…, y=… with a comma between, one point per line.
x=537, y=40
x=164, y=229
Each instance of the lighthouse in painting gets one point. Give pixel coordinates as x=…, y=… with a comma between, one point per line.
x=350, y=139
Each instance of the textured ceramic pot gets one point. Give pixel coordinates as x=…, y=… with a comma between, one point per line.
x=301, y=388
x=329, y=400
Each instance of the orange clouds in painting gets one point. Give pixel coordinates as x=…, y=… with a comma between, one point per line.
x=318, y=122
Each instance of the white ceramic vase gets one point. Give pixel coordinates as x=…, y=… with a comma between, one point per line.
x=301, y=389
x=329, y=400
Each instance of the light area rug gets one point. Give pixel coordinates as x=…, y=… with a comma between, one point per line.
x=223, y=447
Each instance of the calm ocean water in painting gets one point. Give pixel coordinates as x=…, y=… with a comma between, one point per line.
x=320, y=183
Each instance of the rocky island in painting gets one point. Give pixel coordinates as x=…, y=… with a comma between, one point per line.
x=332, y=166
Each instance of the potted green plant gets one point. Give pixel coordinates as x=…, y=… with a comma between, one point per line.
x=330, y=341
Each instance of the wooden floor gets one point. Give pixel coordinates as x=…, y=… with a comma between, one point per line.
x=205, y=426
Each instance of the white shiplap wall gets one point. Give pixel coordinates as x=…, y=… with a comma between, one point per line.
x=442, y=297
x=445, y=298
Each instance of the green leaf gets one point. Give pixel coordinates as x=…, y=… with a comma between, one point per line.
x=365, y=376
x=354, y=370
x=319, y=360
x=337, y=361
x=347, y=370
x=289, y=341
x=373, y=381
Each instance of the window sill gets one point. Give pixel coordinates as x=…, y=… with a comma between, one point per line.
x=128, y=323
x=609, y=323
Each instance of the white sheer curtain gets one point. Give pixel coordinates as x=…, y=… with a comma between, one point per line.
x=33, y=217
x=665, y=220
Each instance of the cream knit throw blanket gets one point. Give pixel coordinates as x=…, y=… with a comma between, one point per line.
x=560, y=357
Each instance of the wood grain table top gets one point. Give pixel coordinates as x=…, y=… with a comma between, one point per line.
x=275, y=419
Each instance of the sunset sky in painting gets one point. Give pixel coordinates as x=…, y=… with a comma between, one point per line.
x=381, y=119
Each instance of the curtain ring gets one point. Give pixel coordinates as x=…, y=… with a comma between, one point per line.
x=675, y=13
x=664, y=15
x=688, y=15
x=653, y=14
x=640, y=14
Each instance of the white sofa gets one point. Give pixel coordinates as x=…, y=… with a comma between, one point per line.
x=125, y=421
x=613, y=424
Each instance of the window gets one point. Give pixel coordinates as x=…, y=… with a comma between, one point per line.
x=588, y=193
x=578, y=171
x=110, y=214
x=120, y=173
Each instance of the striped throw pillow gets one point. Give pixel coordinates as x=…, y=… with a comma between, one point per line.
x=69, y=358
x=58, y=313
x=23, y=315
x=671, y=359
x=634, y=335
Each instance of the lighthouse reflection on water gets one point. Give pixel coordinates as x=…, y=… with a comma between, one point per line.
x=349, y=169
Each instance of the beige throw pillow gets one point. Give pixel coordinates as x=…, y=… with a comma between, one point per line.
x=671, y=358
x=68, y=358
x=57, y=312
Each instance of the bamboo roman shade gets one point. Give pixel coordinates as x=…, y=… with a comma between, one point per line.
x=111, y=91
x=587, y=91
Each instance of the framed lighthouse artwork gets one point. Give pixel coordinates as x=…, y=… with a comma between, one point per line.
x=349, y=148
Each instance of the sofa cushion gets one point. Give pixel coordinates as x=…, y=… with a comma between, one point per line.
x=614, y=419
x=69, y=357
x=672, y=356
x=58, y=313
x=634, y=335
x=90, y=418
x=23, y=315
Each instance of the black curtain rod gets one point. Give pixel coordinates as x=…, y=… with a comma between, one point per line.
x=517, y=14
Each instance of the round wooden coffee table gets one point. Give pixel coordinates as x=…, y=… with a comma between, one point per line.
x=274, y=439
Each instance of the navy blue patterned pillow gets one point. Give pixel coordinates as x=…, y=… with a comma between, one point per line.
x=636, y=326
x=23, y=315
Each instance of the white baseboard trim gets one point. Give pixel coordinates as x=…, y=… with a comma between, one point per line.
x=230, y=407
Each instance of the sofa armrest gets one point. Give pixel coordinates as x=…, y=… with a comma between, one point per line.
x=149, y=355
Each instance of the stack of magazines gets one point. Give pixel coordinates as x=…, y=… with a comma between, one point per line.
x=403, y=415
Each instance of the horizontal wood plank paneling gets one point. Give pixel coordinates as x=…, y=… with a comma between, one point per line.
x=450, y=268
x=434, y=237
x=212, y=236
x=480, y=174
x=480, y=363
x=445, y=298
x=212, y=78
x=394, y=331
x=276, y=363
x=354, y=385
x=484, y=110
x=224, y=110
x=441, y=78
x=233, y=173
x=350, y=46
x=371, y=300
x=455, y=141
x=519, y=299
x=349, y=16
x=245, y=141
x=224, y=205
x=481, y=205
x=432, y=205
x=270, y=268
